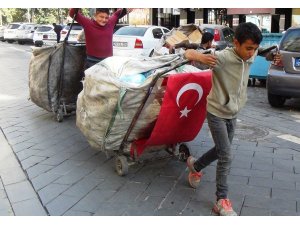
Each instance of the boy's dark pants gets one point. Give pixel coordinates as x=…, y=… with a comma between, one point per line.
x=222, y=131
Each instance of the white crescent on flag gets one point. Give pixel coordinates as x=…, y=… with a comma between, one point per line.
x=189, y=86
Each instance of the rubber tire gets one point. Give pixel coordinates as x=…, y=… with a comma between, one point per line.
x=121, y=165
x=276, y=101
x=184, y=152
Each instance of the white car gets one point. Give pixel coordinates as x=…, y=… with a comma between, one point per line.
x=10, y=33
x=44, y=34
x=73, y=37
x=2, y=28
x=136, y=41
x=25, y=33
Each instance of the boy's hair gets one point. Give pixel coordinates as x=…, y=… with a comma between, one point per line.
x=206, y=37
x=245, y=31
x=102, y=10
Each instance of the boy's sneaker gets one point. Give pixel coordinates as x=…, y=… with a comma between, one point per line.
x=194, y=176
x=223, y=208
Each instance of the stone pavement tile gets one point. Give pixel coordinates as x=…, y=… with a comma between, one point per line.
x=173, y=168
x=243, y=153
x=291, y=177
x=143, y=208
x=233, y=179
x=130, y=192
x=26, y=153
x=289, y=151
x=272, y=167
x=281, y=165
x=61, y=204
x=2, y=194
x=93, y=200
x=30, y=207
x=83, y=187
x=250, y=172
x=254, y=211
x=249, y=190
x=51, y=191
x=267, y=144
x=77, y=213
x=263, y=149
x=8, y=162
x=246, y=164
x=272, y=155
x=31, y=161
x=269, y=182
x=297, y=169
x=284, y=206
x=197, y=208
x=57, y=159
x=20, y=191
x=65, y=167
x=73, y=176
x=38, y=169
x=20, y=139
x=113, y=184
x=160, y=186
x=22, y=146
x=84, y=155
x=12, y=176
x=43, y=180
x=285, y=194
x=112, y=209
x=209, y=174
x=5, y=207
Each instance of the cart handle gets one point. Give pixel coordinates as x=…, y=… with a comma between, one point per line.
x=137, y=114
x=73, y=19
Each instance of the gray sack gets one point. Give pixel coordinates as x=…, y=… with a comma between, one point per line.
x=55, y=75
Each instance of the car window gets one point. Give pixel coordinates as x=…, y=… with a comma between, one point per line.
x=291, y=41
x=157, y=33
x=132, y=31
x=13, y=26
x=43, y=29
x=228, y=34
x=74, y=27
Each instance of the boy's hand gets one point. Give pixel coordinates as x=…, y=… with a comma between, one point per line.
x=276, y=58
x=207, y=59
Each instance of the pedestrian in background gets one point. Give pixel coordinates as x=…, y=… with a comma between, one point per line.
x=57, y=30
x=98, y=33
x=226, y=98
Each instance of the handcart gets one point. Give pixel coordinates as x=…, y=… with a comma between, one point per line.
x=55, y=76
x=131, y=146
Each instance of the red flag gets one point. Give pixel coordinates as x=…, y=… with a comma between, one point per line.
x=183, y=110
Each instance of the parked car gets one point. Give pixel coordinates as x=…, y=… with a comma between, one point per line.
x=10, y=33
x=223, y=35
x=283, y=79
x=42, y=34
x=137, y=40
x=2, y=28
x=25, y=33
x=76, y=30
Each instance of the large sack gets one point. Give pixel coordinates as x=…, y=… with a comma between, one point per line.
x=106, y=105
x=55, y=75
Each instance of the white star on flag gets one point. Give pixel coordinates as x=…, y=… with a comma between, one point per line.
x=184, y=112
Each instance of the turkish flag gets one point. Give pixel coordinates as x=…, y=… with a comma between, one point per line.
x=183, y=110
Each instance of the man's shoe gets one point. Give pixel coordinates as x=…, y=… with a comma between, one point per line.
x=190, y=163
x=223, y=208
x=194, y=176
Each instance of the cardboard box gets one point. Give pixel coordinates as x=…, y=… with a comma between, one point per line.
x=176, y=38
x=195, y=36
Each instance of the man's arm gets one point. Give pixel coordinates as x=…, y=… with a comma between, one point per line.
x=207, y=59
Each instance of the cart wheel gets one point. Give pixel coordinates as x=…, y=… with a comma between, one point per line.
x=121, y=165
x=184, y=152
x=59, y=115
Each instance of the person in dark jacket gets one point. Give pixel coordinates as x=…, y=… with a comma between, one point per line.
x=57, y=30
x=98, y=33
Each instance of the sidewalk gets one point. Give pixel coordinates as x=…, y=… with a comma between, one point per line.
x=17, y=196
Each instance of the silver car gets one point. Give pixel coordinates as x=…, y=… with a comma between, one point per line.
x=283, y=80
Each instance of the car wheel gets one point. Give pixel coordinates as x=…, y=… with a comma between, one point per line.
x=10, y=41
x=21, y=42
x=276, y=100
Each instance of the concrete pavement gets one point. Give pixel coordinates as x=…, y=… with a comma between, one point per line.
x=48, y=168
